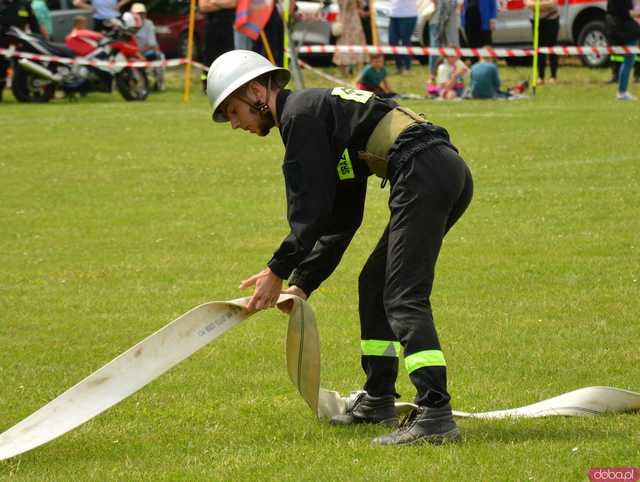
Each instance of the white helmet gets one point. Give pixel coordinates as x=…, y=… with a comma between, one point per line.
x=132, y=22
x=232, y=70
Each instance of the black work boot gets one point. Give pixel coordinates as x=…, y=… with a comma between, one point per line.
x=365, y=408
x=424, y=425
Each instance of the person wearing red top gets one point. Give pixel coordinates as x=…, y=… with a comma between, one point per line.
x=82, y=40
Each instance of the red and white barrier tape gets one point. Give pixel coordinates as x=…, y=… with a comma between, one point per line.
x=465, y=52
x=328, y=49
x=198, y=65
x=99, y=63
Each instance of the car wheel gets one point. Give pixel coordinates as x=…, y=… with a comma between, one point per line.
x=594, y=34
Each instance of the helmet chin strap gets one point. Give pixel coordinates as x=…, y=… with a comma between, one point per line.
x=262, y=107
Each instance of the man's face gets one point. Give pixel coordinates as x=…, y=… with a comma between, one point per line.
x=243, y=116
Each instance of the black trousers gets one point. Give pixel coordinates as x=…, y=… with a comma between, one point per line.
x=548, y=37
x=427, y=198
x=477, y=37
x=274, y=32
x=218, y=37
x=218, y=34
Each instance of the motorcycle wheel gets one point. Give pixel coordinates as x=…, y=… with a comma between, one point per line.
x=28, y=87
x=133, y=84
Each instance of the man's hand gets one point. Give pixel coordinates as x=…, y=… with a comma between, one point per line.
x=268, y=288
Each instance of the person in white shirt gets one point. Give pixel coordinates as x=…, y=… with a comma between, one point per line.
x=402, y=23
x=450, y=77
x=103, y=11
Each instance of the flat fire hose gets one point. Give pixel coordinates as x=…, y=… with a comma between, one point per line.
x=161, y=351
x=124, y=375
x=303, y=363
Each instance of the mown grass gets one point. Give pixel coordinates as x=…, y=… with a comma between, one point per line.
x=116, y=217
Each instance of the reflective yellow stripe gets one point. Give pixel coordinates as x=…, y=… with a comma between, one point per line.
x=345, y=168
x=380, y=347
x=426, y=358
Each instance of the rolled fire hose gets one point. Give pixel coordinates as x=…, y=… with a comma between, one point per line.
x=159, y=352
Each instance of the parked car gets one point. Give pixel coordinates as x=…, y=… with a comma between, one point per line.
x=171, y=19
x=316, y=17
x=313, y=21
x=62, y=13
x=582, y=22
x=314, y=28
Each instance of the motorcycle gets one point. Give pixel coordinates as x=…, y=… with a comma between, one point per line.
x=37, y=80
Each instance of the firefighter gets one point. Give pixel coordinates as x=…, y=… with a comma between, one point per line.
x=334, y=140
x=13, y=13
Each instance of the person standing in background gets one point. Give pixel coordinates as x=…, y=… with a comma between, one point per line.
x=443, y=30
x=616, y=60
x=241, y=41
x=479, y=20
x=13, y=13
x=547, y=34
x=365, y=19
x=402, y=22
x=103, y=11
x=220, y=16
x=43, y=15
x=624, y=29
x=274, y=33
x=352, y=34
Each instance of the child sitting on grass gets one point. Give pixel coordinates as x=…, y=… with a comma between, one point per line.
x=450, y=77
x=374, y=78
x=485, y=82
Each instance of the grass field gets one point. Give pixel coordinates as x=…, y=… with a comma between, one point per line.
x=116, y=217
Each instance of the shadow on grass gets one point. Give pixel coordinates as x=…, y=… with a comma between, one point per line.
x=558, y=429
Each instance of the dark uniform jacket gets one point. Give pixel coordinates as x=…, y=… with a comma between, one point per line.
x=621, y=27
x=326, y=182
x=17, y=13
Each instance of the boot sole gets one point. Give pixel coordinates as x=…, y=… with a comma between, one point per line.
x=452, y=436
x=390, y=422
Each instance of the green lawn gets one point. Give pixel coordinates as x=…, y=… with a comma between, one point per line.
x=116, y=217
